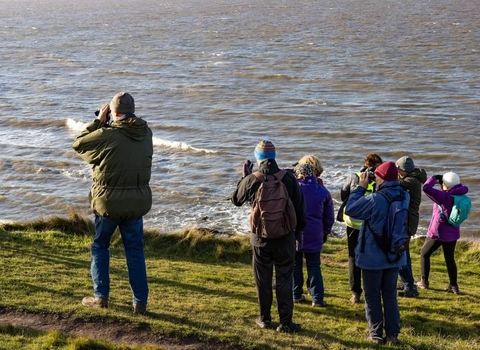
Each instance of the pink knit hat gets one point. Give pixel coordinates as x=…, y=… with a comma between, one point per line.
x=387, y=171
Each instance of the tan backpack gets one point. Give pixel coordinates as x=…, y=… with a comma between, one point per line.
x=273, y=215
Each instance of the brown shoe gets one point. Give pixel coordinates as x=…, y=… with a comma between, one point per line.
x=139, y=309
x=95, y=302
x=452, y=289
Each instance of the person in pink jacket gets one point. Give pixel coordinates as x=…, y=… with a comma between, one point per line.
x=440, y=233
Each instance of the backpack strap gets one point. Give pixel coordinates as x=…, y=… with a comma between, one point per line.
x=260, y=176
x=442, y=214
x=389, y=199
x=263, y=177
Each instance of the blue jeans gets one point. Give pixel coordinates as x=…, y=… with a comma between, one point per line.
x=406, y=273
x=381, y=285
x=314, y=276
x=132, y=237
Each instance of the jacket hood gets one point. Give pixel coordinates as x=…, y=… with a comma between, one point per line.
x=133, y=127
x=419, y=174
x=268, y=166
x=458, y=189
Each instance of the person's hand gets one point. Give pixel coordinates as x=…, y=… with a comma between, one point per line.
x=325, y=237
x=247, y=168
x=103, y=114
x=364, y=180
x=439, y=178
x=298, y=240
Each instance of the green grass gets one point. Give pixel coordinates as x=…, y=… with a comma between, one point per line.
x=202, y=287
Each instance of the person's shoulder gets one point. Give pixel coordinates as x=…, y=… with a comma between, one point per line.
x=289, y=175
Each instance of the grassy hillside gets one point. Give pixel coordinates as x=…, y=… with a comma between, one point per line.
x=202, y=292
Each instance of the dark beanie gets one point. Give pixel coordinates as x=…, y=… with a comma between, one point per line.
x=264, y=150
x=387, y=171
x=123, y=103
x=405, y=164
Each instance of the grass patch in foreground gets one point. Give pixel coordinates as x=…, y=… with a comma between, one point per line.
x=201, y=287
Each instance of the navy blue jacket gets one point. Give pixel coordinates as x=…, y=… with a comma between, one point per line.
x=373, y=210
x=319, y=214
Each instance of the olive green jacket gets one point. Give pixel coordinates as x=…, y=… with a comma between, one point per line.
x=121, y=155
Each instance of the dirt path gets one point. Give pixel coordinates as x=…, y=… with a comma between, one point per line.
x=116, y=333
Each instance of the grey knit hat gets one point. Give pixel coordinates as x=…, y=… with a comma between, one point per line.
x=122, y=103
x=405, y=164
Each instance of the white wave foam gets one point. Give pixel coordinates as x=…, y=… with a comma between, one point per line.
x=75, y=126
x=180, y=145
x=80, y=126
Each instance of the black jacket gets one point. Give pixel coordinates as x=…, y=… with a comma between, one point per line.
x=248, y=186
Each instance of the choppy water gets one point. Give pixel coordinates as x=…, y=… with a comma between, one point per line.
x=338, y=79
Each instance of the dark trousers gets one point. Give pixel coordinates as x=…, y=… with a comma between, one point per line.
x=282, y=257
x=429, y=247
x=354, y=272
x=406, y=273
x=381, y=306
x=314, y=277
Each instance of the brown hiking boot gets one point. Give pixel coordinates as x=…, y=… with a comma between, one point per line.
x=95, y=302
x=139, y=309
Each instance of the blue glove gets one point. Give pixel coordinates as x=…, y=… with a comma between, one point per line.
x=247, y=168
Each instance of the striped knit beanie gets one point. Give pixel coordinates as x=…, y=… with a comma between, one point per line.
x=264, y=150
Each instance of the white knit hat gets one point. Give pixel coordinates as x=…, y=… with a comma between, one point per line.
x=450, y=179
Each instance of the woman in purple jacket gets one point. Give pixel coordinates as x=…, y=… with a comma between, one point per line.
x=440, y=233
x=320, y=219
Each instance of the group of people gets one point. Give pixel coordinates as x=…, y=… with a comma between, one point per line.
x=365, y=211
x=118, y=145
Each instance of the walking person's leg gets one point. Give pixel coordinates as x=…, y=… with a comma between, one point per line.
x=132, y=236
x=372, y=285
x=406, y=274
x=354, y=272
x=449, y=255
x=314, y=271
x=429, y=247
x=100, y=263
x=390, y=304
x=298, y=278
x=263, y=272
x=284, y=258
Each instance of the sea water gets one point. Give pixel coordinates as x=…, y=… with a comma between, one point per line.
x=337, y=79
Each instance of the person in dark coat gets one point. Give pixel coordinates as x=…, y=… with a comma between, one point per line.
x=273, y=253
x=411, y=179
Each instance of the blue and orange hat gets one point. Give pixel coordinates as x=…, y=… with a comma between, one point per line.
x=264, y=150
